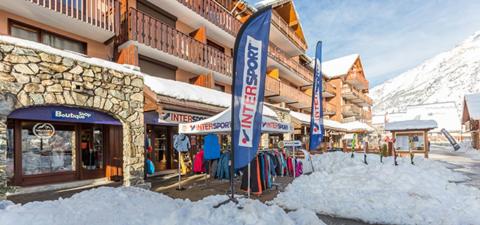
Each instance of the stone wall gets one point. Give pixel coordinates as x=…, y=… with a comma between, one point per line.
x=30, y=77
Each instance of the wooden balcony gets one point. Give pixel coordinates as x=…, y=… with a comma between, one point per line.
x=279, y=55
x=328, y=90
x=329, y=108
x=351, y=110
x=215, y=12
x=287, y=94
x=150, y=32
x=355, y=96
x=272, y=87
x=356, y=79
x=283, y=27
x=94, y=19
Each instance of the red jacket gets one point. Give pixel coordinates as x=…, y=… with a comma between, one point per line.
x=198, y=166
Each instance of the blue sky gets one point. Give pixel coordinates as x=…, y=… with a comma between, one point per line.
x=391, y=36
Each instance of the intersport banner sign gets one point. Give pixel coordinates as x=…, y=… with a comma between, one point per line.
x=250, y=64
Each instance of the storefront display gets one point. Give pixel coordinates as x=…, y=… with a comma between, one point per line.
x=58, y=144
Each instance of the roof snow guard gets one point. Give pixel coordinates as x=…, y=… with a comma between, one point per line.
x=411, y=125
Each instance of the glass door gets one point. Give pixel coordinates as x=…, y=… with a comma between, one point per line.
x=91, y=149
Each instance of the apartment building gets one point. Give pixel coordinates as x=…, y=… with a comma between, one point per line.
x=68, y=112
x=350, y=102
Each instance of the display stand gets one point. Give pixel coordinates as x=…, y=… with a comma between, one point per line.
x=180, y=188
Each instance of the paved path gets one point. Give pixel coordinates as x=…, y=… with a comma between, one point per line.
x=459, y=161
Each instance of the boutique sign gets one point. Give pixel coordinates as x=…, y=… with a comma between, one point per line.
x=75, y=115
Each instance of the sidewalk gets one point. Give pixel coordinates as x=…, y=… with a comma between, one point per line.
x=458, y=161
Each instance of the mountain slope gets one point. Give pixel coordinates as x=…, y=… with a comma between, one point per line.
x=445, y=77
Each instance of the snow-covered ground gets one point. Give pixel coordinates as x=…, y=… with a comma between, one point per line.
x=383, y=193
x=134, y=206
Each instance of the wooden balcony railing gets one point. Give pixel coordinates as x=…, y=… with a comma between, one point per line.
x=294, y=95
x=329, y=108
x=278, y=55
x=351, y=93
x=329, y=88
x=272, y=86
x=151, y=32
x=278, y=22
x=351, y=110
x=104, y=14
x=356, y=79
x=215, y=13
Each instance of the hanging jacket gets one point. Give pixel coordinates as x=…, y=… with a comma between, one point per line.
x=211, y=146
x=181, y=143
x=198, y=166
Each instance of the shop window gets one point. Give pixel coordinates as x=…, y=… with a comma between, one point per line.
x=48, y=155
x=91, y=147
x=38, y=35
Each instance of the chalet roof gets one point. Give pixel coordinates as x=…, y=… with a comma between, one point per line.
x=189, y=92
x=472, y=104
x=411, y=125
x=339, y=66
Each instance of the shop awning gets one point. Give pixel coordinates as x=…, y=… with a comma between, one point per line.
x=358, y=127
x=220, y=123
x=304, y=119
x=63, y=114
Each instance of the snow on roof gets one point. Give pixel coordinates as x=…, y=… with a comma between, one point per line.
x=339, y=66
x=357, y=126
x=189, y=92
x=72, y=55
x=411, y=125
x=305, y=118
x=273, y=3
x=473, y=105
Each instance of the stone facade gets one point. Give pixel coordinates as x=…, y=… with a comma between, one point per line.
x=30, y=77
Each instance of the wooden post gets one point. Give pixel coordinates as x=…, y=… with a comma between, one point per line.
x=427, y=146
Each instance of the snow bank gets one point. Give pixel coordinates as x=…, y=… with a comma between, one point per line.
x=383, y=193
x=127, y=206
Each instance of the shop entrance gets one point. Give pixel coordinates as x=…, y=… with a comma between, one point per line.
x=91, y=151
x=43, y=149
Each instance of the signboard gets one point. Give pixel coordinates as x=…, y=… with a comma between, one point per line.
x=72, y=115
x=180, y=117
x=249, y=67
x=43, y=130
x=295, y=143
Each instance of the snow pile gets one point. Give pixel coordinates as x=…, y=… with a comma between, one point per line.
x=383, y=193
x=411, y=125
x=305, y=119
x=357, y=126
x=137, y=206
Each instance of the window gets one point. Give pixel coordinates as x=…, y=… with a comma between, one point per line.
x=34, y=34
x=24, y=32
x=219, y=87
x=62, y=43
x=43, y=156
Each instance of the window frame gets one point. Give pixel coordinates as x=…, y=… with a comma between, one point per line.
x=41, y=32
